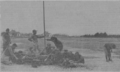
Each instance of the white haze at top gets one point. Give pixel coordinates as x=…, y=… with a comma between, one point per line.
x=66, y=17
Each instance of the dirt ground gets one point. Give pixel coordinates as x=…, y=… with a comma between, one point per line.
x=94, y=61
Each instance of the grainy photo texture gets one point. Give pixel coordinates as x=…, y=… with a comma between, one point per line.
x=60, y=36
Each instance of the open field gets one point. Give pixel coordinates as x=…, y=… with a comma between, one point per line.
x=90, y=48
x=95, y=44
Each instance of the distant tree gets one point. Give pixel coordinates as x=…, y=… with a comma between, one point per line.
x=105, y=34
x=100, y=35
x=96, y=34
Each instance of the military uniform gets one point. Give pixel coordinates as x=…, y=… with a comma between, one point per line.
x=78, y=58
x=108, y=50
x=6, y=40
x=57, y=43
x=10, y=53
x=34, y=39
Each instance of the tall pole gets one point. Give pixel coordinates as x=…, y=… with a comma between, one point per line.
x=44, y=23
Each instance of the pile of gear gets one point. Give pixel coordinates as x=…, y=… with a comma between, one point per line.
x=33, y=56
x=50, y=56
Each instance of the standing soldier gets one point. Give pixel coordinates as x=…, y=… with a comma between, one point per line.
x=6, y=39
x=34, y=39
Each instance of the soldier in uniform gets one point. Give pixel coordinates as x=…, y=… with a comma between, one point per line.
x=6, y=39
x=34, y=39
x=78, y=58
x=108, y=49
x=48, y=49
x=57, y=43
x=71, y=55
x=10, y=53
x=65, y=54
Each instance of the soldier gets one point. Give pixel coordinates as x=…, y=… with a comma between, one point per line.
x=6, y=39
x=10, y=53
x=58, y=57
x=48, y=49
x=108, y=49
x=65, y=54
x=34, y=39
x=78, y=58
x=20, y=55
x=57, y=43
x=71, y=55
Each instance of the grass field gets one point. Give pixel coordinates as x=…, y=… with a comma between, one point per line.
x=95, y=44
x=90, y=48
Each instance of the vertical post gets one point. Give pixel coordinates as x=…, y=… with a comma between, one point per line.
x=44, y=24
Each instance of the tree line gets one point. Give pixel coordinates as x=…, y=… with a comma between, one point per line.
x=100, y=35
x=16, y=34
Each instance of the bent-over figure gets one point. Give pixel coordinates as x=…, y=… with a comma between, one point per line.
x=108, y=49
x=57, y=43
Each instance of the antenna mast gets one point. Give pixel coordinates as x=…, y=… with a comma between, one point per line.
x=44, y=23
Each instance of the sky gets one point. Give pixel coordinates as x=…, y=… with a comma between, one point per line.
x=65, y=17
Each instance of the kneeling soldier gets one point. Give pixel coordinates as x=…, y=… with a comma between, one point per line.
x=79, y=58
x=10, y=53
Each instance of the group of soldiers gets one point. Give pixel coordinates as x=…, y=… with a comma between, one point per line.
x=7, y=49
x=51, y=55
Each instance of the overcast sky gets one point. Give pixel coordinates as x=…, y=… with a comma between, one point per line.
x=66, y=17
